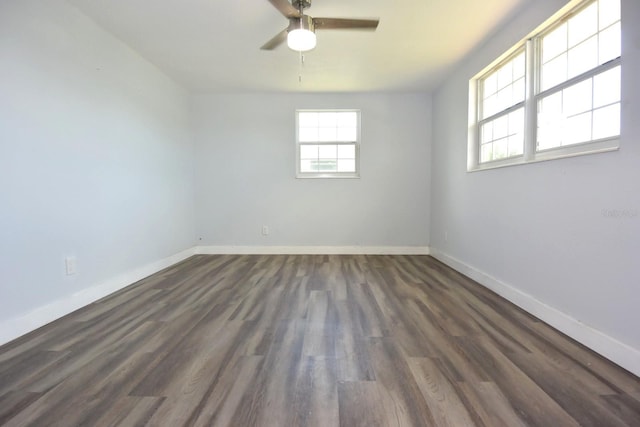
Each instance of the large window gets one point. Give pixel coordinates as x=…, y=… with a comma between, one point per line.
x=555, y=94
x=327, y=143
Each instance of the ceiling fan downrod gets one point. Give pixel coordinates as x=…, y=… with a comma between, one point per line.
x=301, y=4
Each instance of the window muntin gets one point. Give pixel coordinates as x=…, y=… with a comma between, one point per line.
x=502, y=95
x=586, y=108
x=327, y=143
x=503, y=87
x=570, y=96
x=585, y=40
x=585, y=111
x=502, y=137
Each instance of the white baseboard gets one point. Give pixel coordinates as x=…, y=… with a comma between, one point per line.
x=614, y=350
x=18, y=326
x=313, y=250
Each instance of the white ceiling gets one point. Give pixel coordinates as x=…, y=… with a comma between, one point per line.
x=214, y=45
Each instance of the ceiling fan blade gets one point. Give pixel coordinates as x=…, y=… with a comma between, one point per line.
x=275, y=41
x=345, y=24
x=286, y=8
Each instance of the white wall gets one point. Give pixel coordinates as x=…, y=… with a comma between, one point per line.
x=96, y=159
x=559, y=235
x=246, y=173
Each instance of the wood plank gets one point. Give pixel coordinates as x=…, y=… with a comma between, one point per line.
x=439, y=394
x=401, y=397
x=361, y=404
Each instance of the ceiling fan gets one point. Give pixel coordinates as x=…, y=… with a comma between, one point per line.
x=300, y=34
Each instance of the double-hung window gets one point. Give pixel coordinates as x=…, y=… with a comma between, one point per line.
x=327, y=143
x=555, y=94
x=501, y=120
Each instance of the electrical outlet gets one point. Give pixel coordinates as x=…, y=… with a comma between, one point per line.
x=71, y=265
x=265, y=230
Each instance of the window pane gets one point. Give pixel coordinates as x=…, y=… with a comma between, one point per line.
x=518, y=91
x=305, y=165
x=505, y=75
x=505, y=98
x=347, y=134
x=308, y=151
x=554, y=72
x=609, y=44
x=548, y=137
x=518, y=66
x=346, y=165
x=577, y=129
x=490, y=106
x=577, y=98
x=307, y=119
x=500, y=149
x=500, y=127
x=308, y=134
x=324, y=165
x=606, y=88
x=490, y=85
x=328, y=151
x=327, y=134
x=486, y=132
x=606, y=122
x=486, y=153
x=550, y=121
x=583, y=25
x=347, y=119
x=550, y=108
x=328, y=119
x=554, y=43
x=346, y=151
x=516, y=121
x=516, y=145
x=583, y=57
x=609, y=12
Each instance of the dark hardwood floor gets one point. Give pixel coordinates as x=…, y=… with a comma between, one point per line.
x=308, y=341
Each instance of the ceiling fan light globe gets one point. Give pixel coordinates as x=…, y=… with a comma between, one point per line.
x=301, y=39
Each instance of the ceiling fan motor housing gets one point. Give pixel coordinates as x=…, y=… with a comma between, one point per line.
x=304, y=22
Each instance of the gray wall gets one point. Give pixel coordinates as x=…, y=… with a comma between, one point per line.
x=245, y=154
x=565, y=232
x=96, y=159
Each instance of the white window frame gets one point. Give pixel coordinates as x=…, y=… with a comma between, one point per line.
x=513, y=53
x=531, y=45
x=356, y=144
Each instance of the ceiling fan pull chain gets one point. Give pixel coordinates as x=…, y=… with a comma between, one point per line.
x=300, y=68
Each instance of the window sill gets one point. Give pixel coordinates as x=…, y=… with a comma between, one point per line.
x=327, y=176
x=602, y=146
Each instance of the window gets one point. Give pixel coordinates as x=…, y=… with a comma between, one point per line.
x=327, y=143
x=555, y=94
x=502, y=95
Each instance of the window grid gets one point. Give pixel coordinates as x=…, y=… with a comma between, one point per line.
x=327, y=143
x=587, y=38
x=586, y=110
x=502, y=93
x=565, y=110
